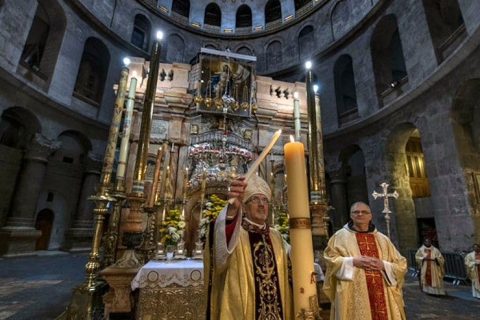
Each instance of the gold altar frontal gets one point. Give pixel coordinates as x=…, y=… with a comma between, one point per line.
x=170, y=290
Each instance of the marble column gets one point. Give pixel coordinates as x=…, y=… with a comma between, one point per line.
x=79, y=236
x=19, y=235
x=338, y=187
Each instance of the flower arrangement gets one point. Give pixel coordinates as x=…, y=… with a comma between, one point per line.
x=282, y=225
x=172, y=228
x=212, y=208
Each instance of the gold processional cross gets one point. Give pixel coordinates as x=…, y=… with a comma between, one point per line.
x=385, y=195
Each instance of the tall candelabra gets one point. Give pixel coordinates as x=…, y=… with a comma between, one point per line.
x=318, y=200
x=133, y=226
x=86, y=300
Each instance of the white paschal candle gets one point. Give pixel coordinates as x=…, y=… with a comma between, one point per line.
x=304, y=284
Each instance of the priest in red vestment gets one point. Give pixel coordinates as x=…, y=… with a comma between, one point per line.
x=365, y=272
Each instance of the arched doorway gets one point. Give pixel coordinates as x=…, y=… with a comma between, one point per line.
x=44, y=223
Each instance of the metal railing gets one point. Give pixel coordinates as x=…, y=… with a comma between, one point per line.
x=454, y=267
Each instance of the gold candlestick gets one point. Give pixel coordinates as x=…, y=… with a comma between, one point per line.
x=133, y=226
x=318, y=201
x=86, y=297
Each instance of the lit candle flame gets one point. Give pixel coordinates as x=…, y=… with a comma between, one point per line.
x=292, y=139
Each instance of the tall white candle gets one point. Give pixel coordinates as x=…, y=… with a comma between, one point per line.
x=304, y=285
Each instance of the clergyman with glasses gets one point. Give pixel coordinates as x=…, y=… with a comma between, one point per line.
x=246, y=266
x=365, y=272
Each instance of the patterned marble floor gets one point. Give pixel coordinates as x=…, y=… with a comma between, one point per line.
x=40, y=287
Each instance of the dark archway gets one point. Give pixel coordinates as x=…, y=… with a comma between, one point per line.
x=181, y=7
x=273, y=11
x=306, y=42
x=92, y=73
x=213, y=15
x=345, y=90
x=244, y=17
x=387, y=55
x=141, y=32
x=44, y=223
x=44, y=39
x=446, y=25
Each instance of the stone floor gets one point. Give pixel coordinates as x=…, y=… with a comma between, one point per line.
x=40, y=287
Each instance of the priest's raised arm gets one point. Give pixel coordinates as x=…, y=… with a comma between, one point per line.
x=246, y=260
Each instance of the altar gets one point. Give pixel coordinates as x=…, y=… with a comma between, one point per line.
x=170, y=290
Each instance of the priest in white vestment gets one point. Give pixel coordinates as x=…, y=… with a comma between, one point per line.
x=472, y=263
x=365, y=272
x=246, y=264
x=432, y=265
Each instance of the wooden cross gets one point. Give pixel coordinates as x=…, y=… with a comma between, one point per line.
x=385, y=195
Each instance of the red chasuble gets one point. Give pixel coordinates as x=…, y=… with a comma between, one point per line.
x=376, y=293
x=428, y=271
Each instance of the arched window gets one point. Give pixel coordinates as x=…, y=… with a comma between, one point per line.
x=244, y=17
x=274, y=55
x=213, y=15
x=93, y=71
x=306, y=42
x=44, y=39
x=175, y=48
x=141, y=32
x=345, y=90
x=446, y=25
x=181, y=7
x=300, y=3
x=273, y=11
x=244, y=50
x=387, y=55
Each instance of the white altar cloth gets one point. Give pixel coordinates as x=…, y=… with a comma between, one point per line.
x=161, y=274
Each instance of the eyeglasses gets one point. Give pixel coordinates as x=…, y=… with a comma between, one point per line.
x=257, y=200
x=357, y=212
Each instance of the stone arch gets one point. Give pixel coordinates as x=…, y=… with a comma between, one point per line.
x=44, y=39
x=387, y=56
x=338, y=15
x=244, y=49
x=465, y=117
x=175, y=48
x=181, y=7
x=211, y=46
x=92, y=72
x=273, y=11
x=141, y=32
x=345, y=90
x=74, y=149
x=18, y=127
x=213, y=15
x=446, y=25
x=306, y=42
x=404, y=220
x=274, y=55
x=243, y=17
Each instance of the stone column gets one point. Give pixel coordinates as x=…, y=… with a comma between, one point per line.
x=19, y=235
x=79, y=237
x=338, y=185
